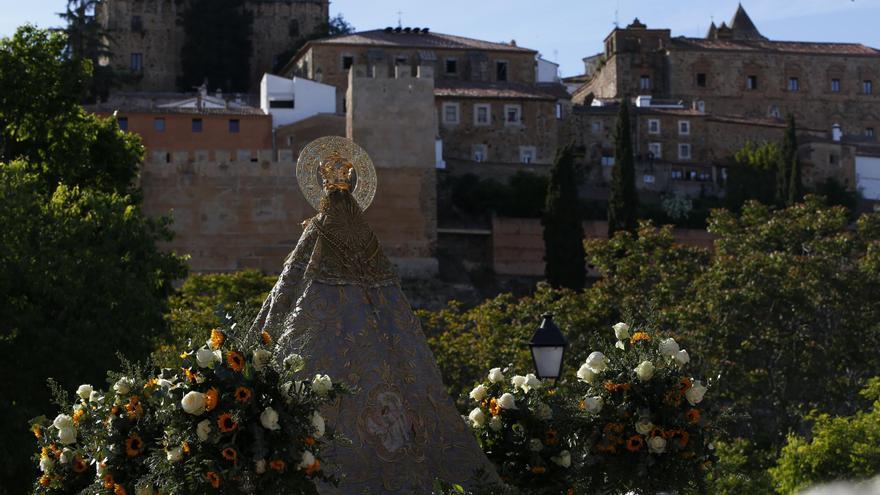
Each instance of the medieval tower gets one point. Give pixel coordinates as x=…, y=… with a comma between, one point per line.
x=145, y=37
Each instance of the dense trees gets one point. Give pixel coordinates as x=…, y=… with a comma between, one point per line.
x=623, y=205
x=563, y=230
x=218, y=45
x=81, y=277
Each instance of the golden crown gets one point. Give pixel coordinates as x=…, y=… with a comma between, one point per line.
x=336, y=172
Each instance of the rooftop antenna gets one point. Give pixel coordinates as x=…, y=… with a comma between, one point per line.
x=616, y=10
x=399, y=19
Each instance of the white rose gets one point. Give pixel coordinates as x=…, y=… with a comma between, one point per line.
x=321, y=384
x=543, y=411
x=206, y=357
x=657, y=445
x=269, y=419
x=261, y=359
x=535, y=445
x=495, y=375
x=260, y=466
x=495, y=423
x=506, y=401
x=695, y=394
x=668, y=347
x=122, y=386
x=532, y=383
x=585, y=374
x=84, y=391
x=621, y=331
x=518, y=381
x=479, y=393
x=193, y=403
x=144, y=490
x=66, y=456
x=477, y=417
x=645, y=370
x=203, y=429
x=644, y=426
x=593, y=404
x=46, y=464
x=563, y=459
x=95, y=396
x=294, y=363
x=174, y=455
x=62, y=421
x=318, y=424
x=682, y=357
x=307, y=460
x=67, y=435
x=596, y=362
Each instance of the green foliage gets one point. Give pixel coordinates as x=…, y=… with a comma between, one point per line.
x=740, y=469
x=203, y=301
x=563, y=228
x=217, y=46
x=523, y=196
x=791, y=165
x=838, y=448
x=623, y=206
x=87, y=41
x=752, y=175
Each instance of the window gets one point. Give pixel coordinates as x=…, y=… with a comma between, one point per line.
x=596, y=127
x=653, y=126
x=501, y=70
x=676, y=174
x=293, y=28
x=867, y=86
x=450, y=113
x=401, y=60
x=482, y=114
x=559, y=111
x=452, y=66
x=197, y=125
x=752, y=82
x=137, y=24
x=775, y=112
x=512, y=115
x=281, y=104
x=692, y=175
x=648, y=179
x=684, y=127
x=869, y=132
x=347, y=62
x=159, y=124
x=704, y=176
x=480, y=153
x=607, y=160
x=526, y=154
x=832, y=159
x=835, y=85
x=234, y=126
x=793, y=84
x=684, y=151
x=645, y=82
x=655, y=150
x=701, y=79
x=137, y=62
x=122, y=122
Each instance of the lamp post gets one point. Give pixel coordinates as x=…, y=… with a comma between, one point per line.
x=548, y=348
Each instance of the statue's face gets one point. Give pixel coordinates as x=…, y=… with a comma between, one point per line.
x=336, y=172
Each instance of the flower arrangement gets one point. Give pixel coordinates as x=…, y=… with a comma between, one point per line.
x=227, y=421
x=521, y=426
x=650, y=427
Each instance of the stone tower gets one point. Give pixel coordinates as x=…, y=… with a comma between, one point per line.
x=146, y=36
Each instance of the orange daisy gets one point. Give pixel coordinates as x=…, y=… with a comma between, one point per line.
x=494, y=407
x=235, y=360
x=310, y=441
x=551, y=438
x=277, y=465
x=186, y=448
x=217, y=338
x=638, y=336
x=36, y=430
x=190, y=375
x=313, y=467
x=692, y=416
x=267, y=339
x=77, y=415
x=133, y=445
x=230, y=454
x=134, y=409
x=45, y=480
x=684, y=385
x=213, y=478
x=635, y=443
x=243, y=395
x=539, y=470
x=211, y=398
x=79, y=466
x=108, y=481
x=119, y=490
x=226, y=423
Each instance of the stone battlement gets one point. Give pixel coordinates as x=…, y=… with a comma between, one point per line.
x=221, y=156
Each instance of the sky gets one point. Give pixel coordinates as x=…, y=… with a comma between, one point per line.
x=565, y=31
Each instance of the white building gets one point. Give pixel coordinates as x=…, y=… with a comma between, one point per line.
x=293, y=100
x=546, y=71
x=868, y=176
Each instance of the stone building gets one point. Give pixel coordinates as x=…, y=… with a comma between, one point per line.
x=145, y=37
x=496, y=102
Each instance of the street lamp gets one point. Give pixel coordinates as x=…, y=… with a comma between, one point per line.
x=548, y=348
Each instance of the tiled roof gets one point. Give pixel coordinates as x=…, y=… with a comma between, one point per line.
x=469, y=89
x=775, y=46
x=243, y=110
x=429, y=40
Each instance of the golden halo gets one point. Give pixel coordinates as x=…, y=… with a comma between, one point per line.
x=315, y=152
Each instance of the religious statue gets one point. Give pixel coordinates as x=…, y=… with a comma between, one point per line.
x=338, y=303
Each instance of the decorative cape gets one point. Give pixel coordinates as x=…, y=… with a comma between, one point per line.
x=338, y=303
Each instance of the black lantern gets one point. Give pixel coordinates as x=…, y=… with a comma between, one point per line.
x=548, y=348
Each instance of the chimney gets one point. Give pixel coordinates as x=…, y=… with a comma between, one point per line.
x=836, y=133
x=512, y=42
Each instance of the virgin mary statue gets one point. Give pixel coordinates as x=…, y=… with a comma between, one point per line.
x=338, y=302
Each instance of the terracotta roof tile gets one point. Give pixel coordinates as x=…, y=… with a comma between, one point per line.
x=429, y=40
x=776, y=46
x=469, y=89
